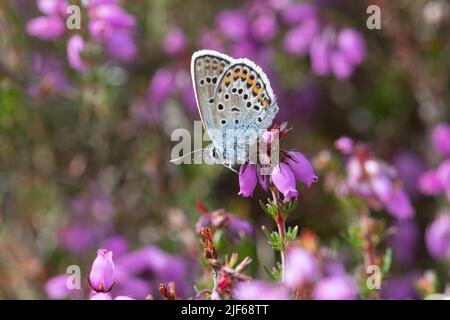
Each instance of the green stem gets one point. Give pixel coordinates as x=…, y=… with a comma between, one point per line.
x=280, y=221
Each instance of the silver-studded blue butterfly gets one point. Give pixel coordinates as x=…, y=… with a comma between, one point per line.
x=235, y=100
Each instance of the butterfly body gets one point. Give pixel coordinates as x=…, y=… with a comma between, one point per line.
x=235, y=103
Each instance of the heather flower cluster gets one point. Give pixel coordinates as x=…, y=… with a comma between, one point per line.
x=92, y=92
x=109, y=26
x=373, y=180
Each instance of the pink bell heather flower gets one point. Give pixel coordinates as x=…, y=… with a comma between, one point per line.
x=437, y=237
x=260, y=290
x=284, y=179
x=340, y=287
x=46, y=27
x=441, y=138
x=301, y=268
x=75, y=47
x=101, y=277
x=301, y=167
x=175, y=41
x=247, y=179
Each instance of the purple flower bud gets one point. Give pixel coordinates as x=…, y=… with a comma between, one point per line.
x=260, y=290
x=352, y=46
x=46, y=28
x=441, y=138
x=430, y=184
x=284, y=179
x=301, y=268
x=344, y=145
x=336, y=288
x=437, y=237
x=175, y=41
x=75, y=47
x=100, y=296
x=301, y=167
x=247, y=179
x=443, y=174
x=101, y=277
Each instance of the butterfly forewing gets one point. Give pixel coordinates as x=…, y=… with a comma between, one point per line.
x=207, y=67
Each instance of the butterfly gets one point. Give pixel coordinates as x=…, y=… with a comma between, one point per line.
x=235, y=102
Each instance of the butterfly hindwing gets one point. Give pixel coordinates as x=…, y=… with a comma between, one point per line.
x=243, y=101
x=207, y=67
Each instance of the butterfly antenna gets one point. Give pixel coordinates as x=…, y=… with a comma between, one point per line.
x=228, y=166
x=188, y=154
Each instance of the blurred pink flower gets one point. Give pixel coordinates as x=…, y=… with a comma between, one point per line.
x=175, y=41
x=46, y=27
x=75, y=47
x=260, y=290
x=336, y=288
x=301, y=268
x=441, y=138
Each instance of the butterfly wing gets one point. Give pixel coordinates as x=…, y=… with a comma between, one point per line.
x=207, y=67
x=244, y=102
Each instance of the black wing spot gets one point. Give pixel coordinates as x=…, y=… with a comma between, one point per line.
x=245, y=71
x=258, y=85
x=214, y=80
x=252, y=77
x=227, y=96
x=236, y=121
x=240, y=91
x=211, y=100
x=245, y=96
x=208, y=79
x=235, y=109
x=249, y=104
x=233, y=90
x=202, y=82
x=220, y=106
x=256, y=107
x=223, y=121
x=259, y=119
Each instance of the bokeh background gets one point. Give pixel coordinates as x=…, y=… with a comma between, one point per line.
x=86, y=117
